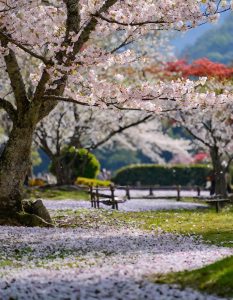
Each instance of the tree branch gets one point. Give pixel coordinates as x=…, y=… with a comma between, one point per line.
x=91, y=25
x=16, y=78
x=22, y=47
x=64, y=99
x=43, y=142
x=113, y=21
x=73, y=17
x=9, y=108
x=119, y=130
x=193, y=134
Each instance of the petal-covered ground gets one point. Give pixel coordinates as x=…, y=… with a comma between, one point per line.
x=130, y=205
x=102, y=263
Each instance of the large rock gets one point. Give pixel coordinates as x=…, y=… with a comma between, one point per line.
x=32, y=220
x=37, y=208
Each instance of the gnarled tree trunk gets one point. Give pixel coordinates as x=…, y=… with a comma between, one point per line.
x=14, y=164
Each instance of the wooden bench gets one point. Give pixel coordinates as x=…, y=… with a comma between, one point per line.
x=97, y=196
x=217, y=201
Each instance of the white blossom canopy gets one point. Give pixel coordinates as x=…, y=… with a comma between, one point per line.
x=59, y=36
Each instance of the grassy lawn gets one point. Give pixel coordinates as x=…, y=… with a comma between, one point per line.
x=56, y=194
x=216, y=278
x=212, y=227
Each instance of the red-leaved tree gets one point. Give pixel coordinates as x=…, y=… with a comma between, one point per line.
x=198, y=68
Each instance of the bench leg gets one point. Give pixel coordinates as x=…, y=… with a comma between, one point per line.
x=116, y=206
x=98, y=204
x=217, y=206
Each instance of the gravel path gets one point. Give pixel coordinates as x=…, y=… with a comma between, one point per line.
x=104, y=264
x=130, y=205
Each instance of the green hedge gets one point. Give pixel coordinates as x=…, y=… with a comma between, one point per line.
x=150, y=174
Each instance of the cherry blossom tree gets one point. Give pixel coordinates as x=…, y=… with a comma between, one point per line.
x=57, y=36
x=71, y=125
x=211, y=127
x=212, y=130
x=152, y=141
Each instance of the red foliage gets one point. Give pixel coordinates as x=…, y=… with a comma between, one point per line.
x=200, y=157
x=198, y=68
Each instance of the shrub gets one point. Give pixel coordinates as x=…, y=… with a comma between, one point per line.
x=77, y=162
x=151, y=174
x=92, y=182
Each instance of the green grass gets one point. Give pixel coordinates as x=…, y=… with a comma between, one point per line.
x=6, y=263
x=214, y=228
x=216, y=278
x=56, y=194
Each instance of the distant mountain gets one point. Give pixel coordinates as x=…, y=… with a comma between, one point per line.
x=215, y=44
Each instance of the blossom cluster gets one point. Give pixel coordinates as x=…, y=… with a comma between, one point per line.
x=71, y=48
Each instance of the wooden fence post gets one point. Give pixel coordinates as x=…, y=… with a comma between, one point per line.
x=198, y=191
x=151, y=191
x=92, y=196
x=178, y=192
x=217, y=207
x=112, y=196
x=218, y=204
x=127, y=192
x=97, y=197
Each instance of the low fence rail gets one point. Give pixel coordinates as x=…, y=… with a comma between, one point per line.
x=107, y=195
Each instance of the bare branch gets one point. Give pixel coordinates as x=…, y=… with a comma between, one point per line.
x=119, y=130
x=113, y=21
x=192, y=133
x=64, y=99
x=22, y=47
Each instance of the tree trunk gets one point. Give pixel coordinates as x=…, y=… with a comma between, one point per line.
x=14, y=164
x=59, y=171
x=63, y=170
x=219, y=173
